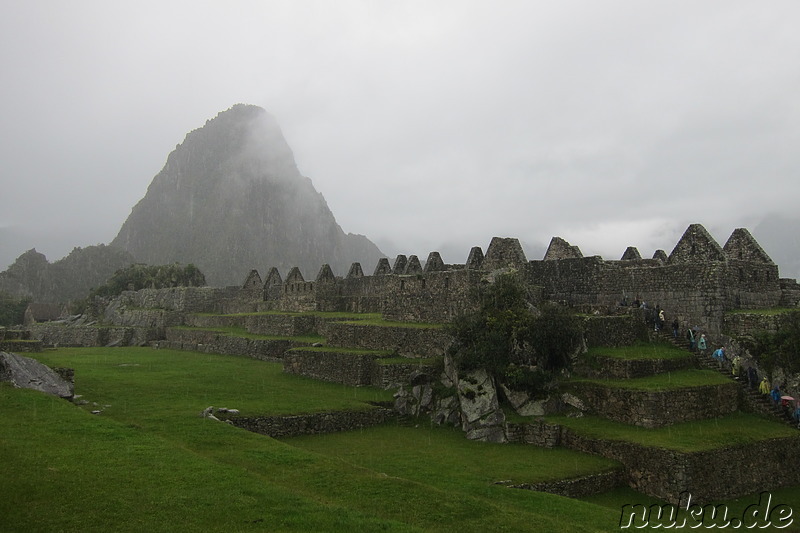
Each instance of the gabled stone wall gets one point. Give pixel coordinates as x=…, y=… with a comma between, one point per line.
x=697, y=283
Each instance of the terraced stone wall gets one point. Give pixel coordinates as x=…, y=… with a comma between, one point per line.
x=390, y=376
x=184, y=299
x=311, y=424
x=17, y=345
x=620, y=330
x=750, y=323
x=339, y=367
x=710, y=476
x=212, y=342
x=404, y=341
x=652, y=409
x=615, y=368
x=63, y=335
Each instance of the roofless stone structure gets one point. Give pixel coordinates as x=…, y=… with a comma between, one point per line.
x=698, y=281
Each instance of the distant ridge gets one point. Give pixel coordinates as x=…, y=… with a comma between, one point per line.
x=230, y=198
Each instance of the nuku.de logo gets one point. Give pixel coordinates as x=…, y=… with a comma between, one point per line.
x=692, y=515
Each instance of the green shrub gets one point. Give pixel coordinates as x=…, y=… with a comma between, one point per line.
x=506, y=336
x=780, y=349
x=12, y=310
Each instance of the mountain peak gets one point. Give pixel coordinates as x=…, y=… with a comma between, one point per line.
x=230, y=198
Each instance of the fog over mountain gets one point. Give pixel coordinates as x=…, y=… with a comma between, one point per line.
x=425, y=125
x=230, y=198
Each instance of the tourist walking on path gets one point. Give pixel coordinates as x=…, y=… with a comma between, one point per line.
x=776, y=395
x=719, y=355
x=701, y=344
x=752, y=377
x=675, y=326
x=690, y=338
x=764, y=387
x=736, y=365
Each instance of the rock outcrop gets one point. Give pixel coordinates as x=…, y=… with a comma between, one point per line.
x=27, y=373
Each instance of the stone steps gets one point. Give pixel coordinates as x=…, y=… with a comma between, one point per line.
x=754, y=400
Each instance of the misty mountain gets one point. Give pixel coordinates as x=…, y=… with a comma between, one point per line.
x=230, y=198
x=33, y=277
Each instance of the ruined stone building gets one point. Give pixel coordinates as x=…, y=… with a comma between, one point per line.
x=697, y=282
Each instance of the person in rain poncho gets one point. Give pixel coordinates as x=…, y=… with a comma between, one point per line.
x=764, y=387
x=775, y=394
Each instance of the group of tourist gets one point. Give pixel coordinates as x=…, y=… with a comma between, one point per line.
x=779, y=400
x=698, y=342
x=750, y=373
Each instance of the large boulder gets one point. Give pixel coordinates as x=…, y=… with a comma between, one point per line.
x=481, y=416
x=27, y=373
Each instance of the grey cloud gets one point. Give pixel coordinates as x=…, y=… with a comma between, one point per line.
x=425, y=125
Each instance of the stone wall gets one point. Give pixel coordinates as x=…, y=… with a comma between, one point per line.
x=601, y=367
x=697, y=283
x=24, y=346
x=350, y=368
x=64, y=335
x=617, y=330
x=220, y=343
x=750, y=323
x=402, y=340
x=577, y=487
x=311, y=424
x=715, y=475
x=354, y=369
x=652, y=409
x=183, y=299
x=392, y=375
x=429, y=297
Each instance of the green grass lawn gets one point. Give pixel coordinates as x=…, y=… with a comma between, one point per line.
x=641, y=350
x=764, y=312
x=333, y=315
x=415, y=453
x=337, y=349
x=666, y=381
x=378, y=321
x=237, y=331
x=149, y=463
x=699, y=435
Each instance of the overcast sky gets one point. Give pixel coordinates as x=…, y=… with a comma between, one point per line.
x=430, y=125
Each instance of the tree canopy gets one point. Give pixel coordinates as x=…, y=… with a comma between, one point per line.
x=514, y=342
x=140, y=276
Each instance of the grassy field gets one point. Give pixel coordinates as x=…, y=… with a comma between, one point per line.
x=659, y=382
x=699, y=435
x=148, y=462
x=237, y=331
x=642, y=350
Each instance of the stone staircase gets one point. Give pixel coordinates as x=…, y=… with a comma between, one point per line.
x=753, y=400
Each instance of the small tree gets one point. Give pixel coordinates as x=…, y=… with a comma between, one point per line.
x=513, y=343
x=12, y=310
x=779, y=349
